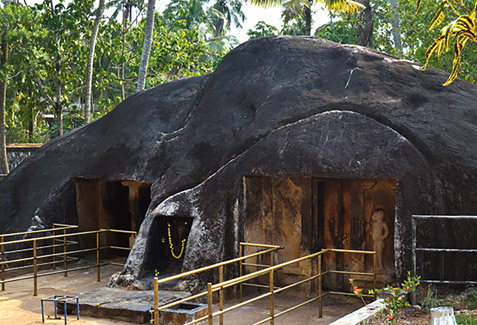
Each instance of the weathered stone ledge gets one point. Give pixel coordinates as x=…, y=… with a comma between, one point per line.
x=361, y=315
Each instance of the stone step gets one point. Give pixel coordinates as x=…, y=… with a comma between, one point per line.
x=131, y=306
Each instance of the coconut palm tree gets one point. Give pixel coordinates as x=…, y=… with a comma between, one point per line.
x=303, y=8
x=89, y=64
x=231, y=13
x=126, y=7
x=212, y=23
x=396, y=24
x=3, y=93
x=146, y=48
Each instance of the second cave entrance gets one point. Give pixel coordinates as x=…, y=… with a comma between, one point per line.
x=113, y=204
x=307, y=214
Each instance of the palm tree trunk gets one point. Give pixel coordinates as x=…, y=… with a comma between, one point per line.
x=307, y=12
x=146, y=48
x=89, y=64
x=58, y=106
x=366, y=30
x=31, y=123
x=123, y=51
x=3, y=99
x=396, y=28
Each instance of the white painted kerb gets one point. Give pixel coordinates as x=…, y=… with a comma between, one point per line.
x=358, y=316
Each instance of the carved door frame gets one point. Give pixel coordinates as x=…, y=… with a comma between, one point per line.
x=342, y=219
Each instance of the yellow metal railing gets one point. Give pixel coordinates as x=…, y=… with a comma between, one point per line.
x=268, y=249
x=270, y=271
x=6, y=239
x=243, y=264
x=57, y=257
x=56, y=227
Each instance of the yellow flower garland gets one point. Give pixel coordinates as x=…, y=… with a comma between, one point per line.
x=171, y=245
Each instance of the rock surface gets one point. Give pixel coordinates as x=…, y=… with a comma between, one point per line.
x=278, y=107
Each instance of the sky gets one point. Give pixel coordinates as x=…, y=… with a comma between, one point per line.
x=272, y=16
x=255, y=14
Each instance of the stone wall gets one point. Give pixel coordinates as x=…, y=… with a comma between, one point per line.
x=16, y=153
x=16, y=157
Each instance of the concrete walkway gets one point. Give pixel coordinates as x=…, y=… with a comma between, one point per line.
x=18, y=306
x=334, y=307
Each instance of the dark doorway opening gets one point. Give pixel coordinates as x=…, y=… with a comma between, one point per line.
x=307, y=214
x=111, y=205
x=167, y=245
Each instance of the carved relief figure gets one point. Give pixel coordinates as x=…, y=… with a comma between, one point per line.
x=379, y=232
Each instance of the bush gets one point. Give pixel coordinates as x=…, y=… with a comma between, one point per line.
x=395, y=302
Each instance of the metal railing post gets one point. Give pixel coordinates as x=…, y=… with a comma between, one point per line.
x=156, y=301
x=374, y=274
x=272, y=287
x=65, y=257
x=441, y=266
x=272, y=263
x=221, y=294
x=2, y=252
x=54, y=249
x=413, y=249
x=209, y=303
x=241, y=272
x=34, y=269
x=98, y=267
x=320, y=292
x=272, y=311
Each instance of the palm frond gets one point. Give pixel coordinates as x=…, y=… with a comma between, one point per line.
x=266, y=3
x=463, y=29
x=346, y=6
x=222, y=43
x=438, y=16
x=289, y=15
x=295, y=7
x=458, y=47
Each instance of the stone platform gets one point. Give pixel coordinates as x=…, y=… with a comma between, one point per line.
x=131, y=306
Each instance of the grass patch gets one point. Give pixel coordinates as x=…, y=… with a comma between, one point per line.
x=466, y=320
x=464, y=303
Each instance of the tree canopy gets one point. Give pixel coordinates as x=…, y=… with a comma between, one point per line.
x=48, y=52
x=45, y=48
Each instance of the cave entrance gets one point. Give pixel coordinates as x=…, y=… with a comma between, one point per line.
x=111, y=204
x=307, y=214
x=167, y=245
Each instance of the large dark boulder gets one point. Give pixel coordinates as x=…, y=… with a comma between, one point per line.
x=275, y=107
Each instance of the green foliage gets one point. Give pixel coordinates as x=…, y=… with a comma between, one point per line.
x=49, y=46
x=472, y=301
x=262, y=29
x=461, y=29
x=178, y=53
x=296, y=6
x=463, y=303
x=393, y=304
x=430, y=299
x=344, y=28
x=466, y=320
x=414, y=30
x=343, y=31
x=294, y=27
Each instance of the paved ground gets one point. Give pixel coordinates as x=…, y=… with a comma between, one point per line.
x=334, y=307
x=19, y=306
